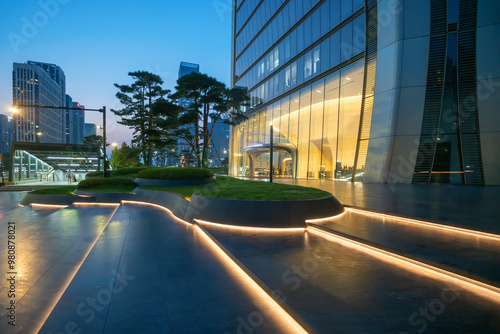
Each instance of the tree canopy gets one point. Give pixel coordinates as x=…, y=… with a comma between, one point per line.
x=210, y=102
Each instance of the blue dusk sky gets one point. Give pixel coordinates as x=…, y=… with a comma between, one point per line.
x=97, y=42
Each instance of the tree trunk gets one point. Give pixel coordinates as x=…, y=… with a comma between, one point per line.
x=197, y=138
x=150, y=146
x=205, y=135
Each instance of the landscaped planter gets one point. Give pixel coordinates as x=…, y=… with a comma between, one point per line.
x=261, y=213
x=54, y=199
x=272, y=214
x=103, y=197
x=170, y=183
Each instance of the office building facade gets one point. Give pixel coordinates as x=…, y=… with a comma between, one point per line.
x=36, y=83
x=6, y=134
x=182, y=148
x=387, y=91
x=75, y=121
x=90, y=129
x=219, y=145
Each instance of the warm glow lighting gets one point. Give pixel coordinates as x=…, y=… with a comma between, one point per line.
x=467, y=232
x=49, y=205
x=481, y=289
x=251, y=229
x=158, y=206
x=99, y=204
x=262, y=300
x=51, y=304
x=115, y=144
x=14, y=110
x=325, y=219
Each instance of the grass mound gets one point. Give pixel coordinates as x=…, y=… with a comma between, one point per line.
x=231, y=188
x=103, y=183
x=128, y=170
x=94, y=174
x=68, y=191
x=175, y=173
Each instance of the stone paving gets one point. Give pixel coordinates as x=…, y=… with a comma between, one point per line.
x=468, y=206
x=138, y=270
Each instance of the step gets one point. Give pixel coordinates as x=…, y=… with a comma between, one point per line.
x=333, y=288
x=469, y=253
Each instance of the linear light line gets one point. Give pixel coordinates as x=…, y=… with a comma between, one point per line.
x=286, y=321
x=318, y=220
x=52, y=304
x=446, y=228
x=99, y=204
x=249, y=228
x=50, y=205
x=480, y=289
x=160, y=207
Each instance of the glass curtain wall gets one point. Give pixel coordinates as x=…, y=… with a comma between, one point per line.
x=317, y=126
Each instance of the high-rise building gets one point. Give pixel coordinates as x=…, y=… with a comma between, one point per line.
x=90, y=130
x=36, y=83
x=378, y=90
x=184, y=69
x=75, y=120
x=6, y=134
x=219, y=145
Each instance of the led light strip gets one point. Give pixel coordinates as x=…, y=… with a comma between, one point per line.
x=318, y=220
x=287, y=322
x=50, y=205
x=157, y=206
x=57, y=297
x=251, y=229
x=99, y=204
x=428, y=224
x=483, y=290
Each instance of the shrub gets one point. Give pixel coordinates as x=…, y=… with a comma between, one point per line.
x=129, y=170
x=175, y=173
x=93, y=183
x=94, y=174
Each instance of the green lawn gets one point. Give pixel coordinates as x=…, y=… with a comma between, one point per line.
x=68, y=190
x=221, y=187
x=110, y=189
x=227, y=187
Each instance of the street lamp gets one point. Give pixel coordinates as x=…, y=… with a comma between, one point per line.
x=102, y=110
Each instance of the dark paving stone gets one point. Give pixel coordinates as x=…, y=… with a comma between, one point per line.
x=468, y=206
x=337, y=289
x=175, y=282
x=475, y=256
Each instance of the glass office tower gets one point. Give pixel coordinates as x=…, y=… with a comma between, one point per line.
x=37, y=83
x=380, y=91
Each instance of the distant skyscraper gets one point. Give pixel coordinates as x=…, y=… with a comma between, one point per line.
x=184, y=69
x=6, y=134
x=90, y=130
x=36, y=83
x=75, y=120
x=219, y=145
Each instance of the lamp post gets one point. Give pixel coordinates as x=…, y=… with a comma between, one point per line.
x=102, y=110
x=271, y=154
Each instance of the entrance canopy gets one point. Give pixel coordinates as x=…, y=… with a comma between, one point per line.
x=32, y=160
x=254, y=151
